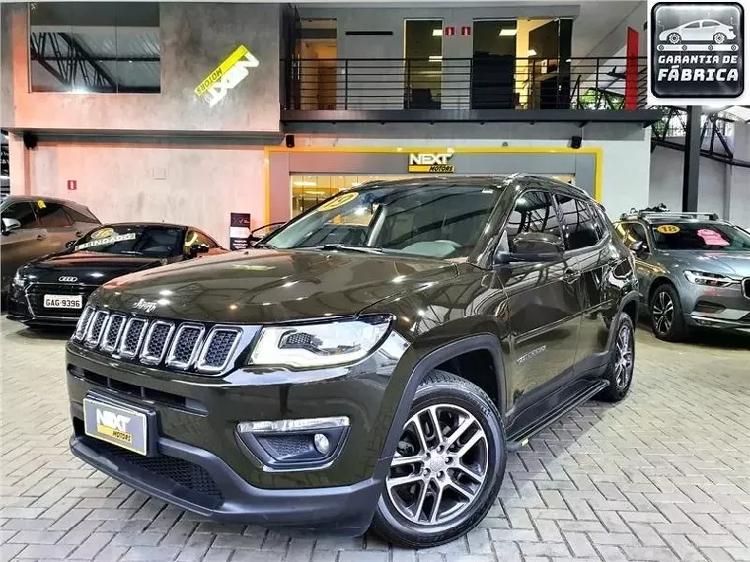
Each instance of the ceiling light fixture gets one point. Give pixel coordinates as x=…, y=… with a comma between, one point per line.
x=435, y=58
x=437, y=32
x=532, y=53
x=305, y=183
x=508, y=32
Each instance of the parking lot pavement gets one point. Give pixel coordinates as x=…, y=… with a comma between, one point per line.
x=664, y=475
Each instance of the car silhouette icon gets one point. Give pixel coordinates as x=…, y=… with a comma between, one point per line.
x=698, y=30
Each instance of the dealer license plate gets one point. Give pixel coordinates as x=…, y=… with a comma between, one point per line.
x=116, y=424
x=63, y=301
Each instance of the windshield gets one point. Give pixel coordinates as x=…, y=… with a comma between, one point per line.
x=432, y=221
x=700, y=236
x=151, y=241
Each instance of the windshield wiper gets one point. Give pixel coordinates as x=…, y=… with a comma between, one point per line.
x=344, y=247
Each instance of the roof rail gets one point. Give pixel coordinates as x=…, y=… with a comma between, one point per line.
x=686, y=214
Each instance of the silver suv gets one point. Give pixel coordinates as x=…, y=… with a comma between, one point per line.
x=693, y=270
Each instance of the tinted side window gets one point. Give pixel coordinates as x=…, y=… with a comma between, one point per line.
x=81, y=216
x=23, y=213
x=53, y=215
x=534, y=212
x=581, y=230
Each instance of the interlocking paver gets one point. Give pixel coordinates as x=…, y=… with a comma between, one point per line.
x=664, y=475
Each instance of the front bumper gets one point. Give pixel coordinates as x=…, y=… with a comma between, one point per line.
x=716, y=307
x=25, y=304
x=197, y=418
x=199, y=481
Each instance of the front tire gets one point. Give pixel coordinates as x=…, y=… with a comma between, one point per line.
x=667, y=321
x=719, y=38
x=621, y=364
x=448, y=465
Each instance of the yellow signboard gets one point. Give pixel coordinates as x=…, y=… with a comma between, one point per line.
x=431, y=163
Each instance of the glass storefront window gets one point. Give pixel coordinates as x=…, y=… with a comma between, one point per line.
x=92, y=47
x=309, y=190
x=423, y=50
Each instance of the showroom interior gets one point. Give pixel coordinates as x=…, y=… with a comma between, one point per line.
x=226, y=120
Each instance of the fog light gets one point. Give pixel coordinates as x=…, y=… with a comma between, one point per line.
x=322, y=444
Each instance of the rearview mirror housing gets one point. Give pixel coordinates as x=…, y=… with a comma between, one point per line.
x=532, y=247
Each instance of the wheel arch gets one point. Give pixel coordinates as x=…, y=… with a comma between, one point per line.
x=442, y=356
x=655, y=284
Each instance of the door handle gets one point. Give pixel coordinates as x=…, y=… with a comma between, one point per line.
x=571, y=275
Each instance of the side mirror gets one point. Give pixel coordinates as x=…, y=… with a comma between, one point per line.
x=10, y=224
x=533, y=247
x=196, y=249
x=639, y=247
x=70, y=243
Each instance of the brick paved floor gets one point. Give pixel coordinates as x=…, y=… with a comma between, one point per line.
x=665, y=475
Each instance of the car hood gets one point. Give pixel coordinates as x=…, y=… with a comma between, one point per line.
x=735, y=264
x=264, y=286
x=93, y=268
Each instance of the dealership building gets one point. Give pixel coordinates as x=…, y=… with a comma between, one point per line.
x=189, y=112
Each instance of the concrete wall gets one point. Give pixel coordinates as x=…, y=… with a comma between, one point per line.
x=182, y=183
x=723, y=189
x=195, y=38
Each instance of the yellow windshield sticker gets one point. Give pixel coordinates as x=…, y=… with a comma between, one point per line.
x=40, y=204
x=103, y=233
x=667, y=229
x=338, y=201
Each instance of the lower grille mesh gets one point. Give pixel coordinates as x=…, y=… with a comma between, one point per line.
x=181, y=472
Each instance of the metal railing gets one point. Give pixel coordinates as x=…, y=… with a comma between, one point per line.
x=482, y=82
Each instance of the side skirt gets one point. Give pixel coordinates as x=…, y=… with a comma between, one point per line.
x=518, y=437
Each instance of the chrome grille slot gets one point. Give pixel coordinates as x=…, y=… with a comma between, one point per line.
x=156, y=342
x=112, y=333
x=746, y=287
x=83, y=323
x=96, y=328
x=218, y=349
x=185, y=346
x=132, y=338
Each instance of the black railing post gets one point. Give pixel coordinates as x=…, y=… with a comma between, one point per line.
x=596, y=85
x=346, y=83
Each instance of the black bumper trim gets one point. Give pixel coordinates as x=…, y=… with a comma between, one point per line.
x=343, y=509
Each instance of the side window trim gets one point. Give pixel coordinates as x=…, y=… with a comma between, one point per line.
x=564, y=227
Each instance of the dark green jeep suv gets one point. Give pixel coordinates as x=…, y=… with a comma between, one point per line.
x=371, y=363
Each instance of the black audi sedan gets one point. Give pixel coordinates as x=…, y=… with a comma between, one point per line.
x=53, y=289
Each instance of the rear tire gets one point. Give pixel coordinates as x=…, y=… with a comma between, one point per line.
x=667, y=321
x=674, y=38
x=621, y=364
x=442, y=483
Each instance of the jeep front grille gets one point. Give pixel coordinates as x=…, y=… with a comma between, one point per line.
x=183, y=346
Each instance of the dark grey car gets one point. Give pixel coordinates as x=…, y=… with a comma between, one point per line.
x=34, y=226
x=693, y=270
